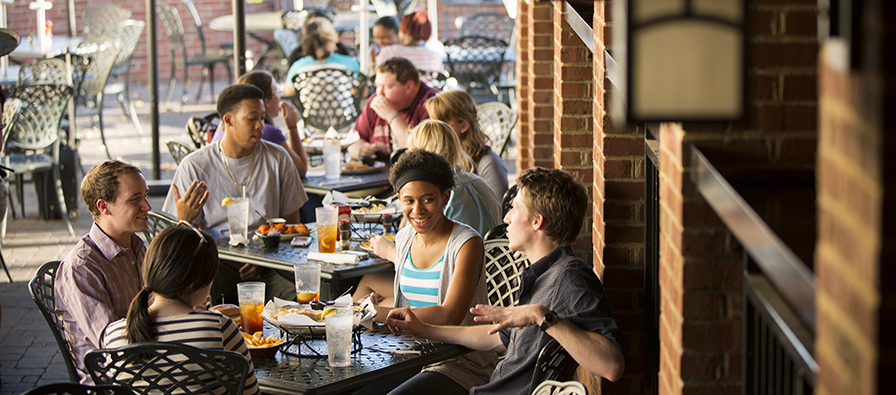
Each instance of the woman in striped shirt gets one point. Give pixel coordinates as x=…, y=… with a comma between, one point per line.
x=439, y=270
x=178, y=270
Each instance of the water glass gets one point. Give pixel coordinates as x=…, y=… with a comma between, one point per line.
x=339, y=336
x=307, y=281
x=251, y=298
x=238, y=217
x=327, y=228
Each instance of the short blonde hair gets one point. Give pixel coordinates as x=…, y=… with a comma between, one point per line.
x=438, y=137
x=459, y=106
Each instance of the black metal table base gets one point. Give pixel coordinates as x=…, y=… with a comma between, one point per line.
x=304, y=341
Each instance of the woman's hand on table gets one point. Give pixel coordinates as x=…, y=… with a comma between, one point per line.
x=190, y=204
x=383, y=247
x=506, y=317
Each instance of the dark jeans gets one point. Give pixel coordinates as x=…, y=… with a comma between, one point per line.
x=413, y=383
x=277, y=283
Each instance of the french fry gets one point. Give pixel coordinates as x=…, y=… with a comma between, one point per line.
x=258, y=340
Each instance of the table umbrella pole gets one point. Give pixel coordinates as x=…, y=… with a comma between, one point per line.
x=239, y=38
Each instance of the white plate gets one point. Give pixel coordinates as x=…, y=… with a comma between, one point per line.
x=377, y=167
x=372, y=217
x=286, y=237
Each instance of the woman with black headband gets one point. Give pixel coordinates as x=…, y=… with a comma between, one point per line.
x=177, y=271
x=439, y=270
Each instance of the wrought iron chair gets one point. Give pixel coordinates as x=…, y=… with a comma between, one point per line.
x=287, y=41
x=330, y=96
x=487, y=24
x=98, y=19
x=178, y=150
x=551, y=387
x=497, y=121
x=507, y=200
x=49, y=70
x=79, y=389
x=33, y=139
x=154, y=367
x=435, y=79
x=174, y=29
x=157, y=222
x=128, y=33
x=502, y=271
x=201, y=129
x=475, y=61
x=103, y=50
x=10, y=111
x=295, y=19
x=44, y=296
x=554, y=363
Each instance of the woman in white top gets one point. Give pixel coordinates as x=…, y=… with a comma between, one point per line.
x=178, y=270
x=413, y=32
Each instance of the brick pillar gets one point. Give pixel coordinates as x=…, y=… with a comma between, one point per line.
x=572, y=136
x=523, y=128
x=541, y=84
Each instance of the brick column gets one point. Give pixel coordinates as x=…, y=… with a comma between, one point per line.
x=523, y=128
x=540, y=81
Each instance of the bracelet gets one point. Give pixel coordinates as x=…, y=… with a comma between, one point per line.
x=389, y=122
x=293, y=127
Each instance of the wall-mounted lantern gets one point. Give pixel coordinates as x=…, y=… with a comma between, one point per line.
x=683, y=60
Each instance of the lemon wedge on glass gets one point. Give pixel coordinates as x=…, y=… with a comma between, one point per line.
x=226, y=202
x=328, y=311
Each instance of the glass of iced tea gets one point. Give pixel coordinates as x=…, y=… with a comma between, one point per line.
x=251, y=296
x=307, y=281
x=327, y=228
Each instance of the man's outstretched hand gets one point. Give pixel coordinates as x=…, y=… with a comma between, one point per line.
x=190, y=204
x=509, y=317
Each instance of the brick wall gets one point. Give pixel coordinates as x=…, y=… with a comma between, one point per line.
x=539, y=134
x=523, y=126
x=700, y=274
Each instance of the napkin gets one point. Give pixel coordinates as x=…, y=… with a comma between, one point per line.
x=334, y=258
x=335, y=196
x=238, y=239
x=369, y=313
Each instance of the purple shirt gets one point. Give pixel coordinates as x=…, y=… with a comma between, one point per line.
x=376, y=130
x=95, y=284
x=270, y=133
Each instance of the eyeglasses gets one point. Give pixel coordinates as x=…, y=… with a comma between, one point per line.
x=202, y=240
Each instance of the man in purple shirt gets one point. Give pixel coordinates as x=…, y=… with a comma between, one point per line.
x=99, y=277
x=391, y=113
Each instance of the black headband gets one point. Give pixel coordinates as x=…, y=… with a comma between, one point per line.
x=421, y=174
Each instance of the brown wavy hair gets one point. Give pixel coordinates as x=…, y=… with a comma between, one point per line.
x=101, y=183
x=459, y=106
x=416, y=25
x=319, y=39
x=558, y=197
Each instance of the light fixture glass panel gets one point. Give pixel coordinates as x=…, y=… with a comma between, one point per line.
x=647, y=10
x=730, y=10
x=687, y=69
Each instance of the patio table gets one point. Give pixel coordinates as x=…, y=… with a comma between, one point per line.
x=286, y=255
x=374, y=182
x=286, y=374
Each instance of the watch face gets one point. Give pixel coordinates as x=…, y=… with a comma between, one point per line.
x=549, y=319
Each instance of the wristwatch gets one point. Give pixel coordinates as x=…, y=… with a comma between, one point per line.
x=550, y=318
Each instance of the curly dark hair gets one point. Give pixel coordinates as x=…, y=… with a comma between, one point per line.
x=232, y=97
x=420, y=159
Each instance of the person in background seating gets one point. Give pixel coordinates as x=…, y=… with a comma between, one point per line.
x=319, y=45
x=385, y=33
x=98, y=278
x=560, y=295
x=413, y=32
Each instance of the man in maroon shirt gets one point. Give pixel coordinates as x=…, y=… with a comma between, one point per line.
x=395, y=108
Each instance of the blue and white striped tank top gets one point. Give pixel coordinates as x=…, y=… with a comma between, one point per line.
x=421, y=286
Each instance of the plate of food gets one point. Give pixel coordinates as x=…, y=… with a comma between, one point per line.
x=296, y=317
x=365, y=245
x=287, y=231
x=372, y=213
x=354, y=168
x=261, y=346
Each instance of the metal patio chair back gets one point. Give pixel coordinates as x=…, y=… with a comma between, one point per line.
x=200, y=130
x=32, y=141
x=157, y=222
x=98, y=19
x=330, y=96
x=79, y=389
x=174, y=30
x=49, y=71
x=295, y=19
x=497, y=121
x=475, y=61
x=488, y=24
x=503, y=268
x=178, y=150
x=435, y=79
x=158, y=367
x=103, y=50
x=44, y=296
x=128, y=33
x=554, y=363
x=551, y=387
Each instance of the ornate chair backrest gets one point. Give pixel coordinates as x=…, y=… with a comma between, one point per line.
x=488, y=24
x=156, y=367
x=173, y=26
x=157, y=222
x=197, y=21
x=128, y=33
x=103, y=50
x=49, y=70
x=295, y=19
x=44, y=296
x=330, y=96
x=287, y=40
x=554, y=363
x=199, y=129
x=551, y=387
x=384, y=8
x=497, y=121
x=475, y=60
x=435, y=79
x=98, y=19
x=503, y=268
x=178, y=150
x=37, y=125
x=10, y=112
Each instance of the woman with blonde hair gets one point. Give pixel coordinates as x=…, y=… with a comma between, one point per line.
x=458, y=109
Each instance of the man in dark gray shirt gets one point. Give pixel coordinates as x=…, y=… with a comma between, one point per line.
x=560, y=295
